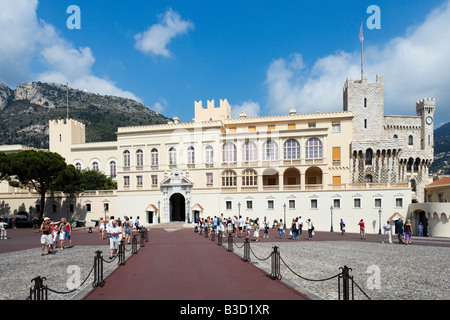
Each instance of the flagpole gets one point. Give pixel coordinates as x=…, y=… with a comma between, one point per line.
x=361, y=38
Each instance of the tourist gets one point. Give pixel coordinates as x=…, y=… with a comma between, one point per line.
x=281, y=229
x=266, y=228
x=102, y=227
x=362, y=229
x=342, y=226
x=420, y=227
x=131, y=222
x=256, y=227
x=114, y=232
x=310, y=229
x=408, y=232
x=55, y=233
x=62, y=233
x=300, y=225
x=399, y=230
x=127, y=230
x=387, y=232
x=69, y=233
x=137, y=223
x=234, y=222
x=46, y=238
x=247, y=227
x=293, y=229
x=3, y=232
x=241, y=226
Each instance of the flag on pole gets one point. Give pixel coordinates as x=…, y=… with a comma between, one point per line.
x=361, y=37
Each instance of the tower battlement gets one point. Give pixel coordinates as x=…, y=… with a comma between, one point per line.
x=211, y=112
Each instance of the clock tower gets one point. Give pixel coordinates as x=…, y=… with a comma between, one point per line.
x=425, y=109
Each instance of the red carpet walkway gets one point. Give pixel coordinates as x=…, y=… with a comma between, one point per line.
x=182, y=265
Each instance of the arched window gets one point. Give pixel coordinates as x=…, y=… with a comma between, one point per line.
x=229, y=152
x=154, y=157
x=191, y=155
x=126, y=158
x=229, y=178
x=78, y=166
x=95, y=166
x=249, y=178
x=369, y=156
x=249, y=151
x=209, y=155
x=410, y=140
x=369, y=178
x=139, y=158
x=291, y=149
x=112, y=169
x=270, y=150
x=172, y=156
x=313, y=149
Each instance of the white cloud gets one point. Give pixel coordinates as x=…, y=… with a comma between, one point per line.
x=24, y=38
x=414, y=66
x=160, y=106
x=158, y=36
x=251, y=109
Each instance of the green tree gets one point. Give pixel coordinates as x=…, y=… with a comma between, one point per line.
x=95, y=180
x=39, y=169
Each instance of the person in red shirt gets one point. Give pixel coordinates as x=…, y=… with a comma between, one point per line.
x=362, y=229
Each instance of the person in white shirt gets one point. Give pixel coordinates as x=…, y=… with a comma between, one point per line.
x=387, y=231
x=3, y=232
x=114, y=232
x=241, y=226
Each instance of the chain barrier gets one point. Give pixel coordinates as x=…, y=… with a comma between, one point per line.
x=39, y=291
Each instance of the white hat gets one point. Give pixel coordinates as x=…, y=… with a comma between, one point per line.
x=46, y=218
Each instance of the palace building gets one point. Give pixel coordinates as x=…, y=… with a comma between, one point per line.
x=352, y=164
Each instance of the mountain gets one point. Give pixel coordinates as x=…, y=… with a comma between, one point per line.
x=26, y=111
x=441, y=163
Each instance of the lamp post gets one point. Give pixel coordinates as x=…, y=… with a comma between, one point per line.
x=239, y=208
x=159, y=217
x=189, y=210
x=379, y=214
x=331, y=209
x=284, y=207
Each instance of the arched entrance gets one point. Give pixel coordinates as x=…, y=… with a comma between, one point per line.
x=177, y=207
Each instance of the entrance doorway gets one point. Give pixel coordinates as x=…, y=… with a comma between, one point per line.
x=177, y=207
x=424, y=220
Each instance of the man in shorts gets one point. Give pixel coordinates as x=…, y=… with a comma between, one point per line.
x=46, y=238
x=362, y=229
x=114, y=232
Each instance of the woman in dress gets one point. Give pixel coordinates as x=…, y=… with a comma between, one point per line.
x=408, y=232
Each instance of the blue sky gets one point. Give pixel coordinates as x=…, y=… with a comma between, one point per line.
x=265, y=57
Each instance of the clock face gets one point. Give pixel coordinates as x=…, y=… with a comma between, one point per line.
x=429, y=120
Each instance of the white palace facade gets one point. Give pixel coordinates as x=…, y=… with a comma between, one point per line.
x=325, y=166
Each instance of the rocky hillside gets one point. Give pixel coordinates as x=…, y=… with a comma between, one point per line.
x=26, y=111
x=441, y=163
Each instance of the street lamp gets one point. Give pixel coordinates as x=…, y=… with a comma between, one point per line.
x=159, y=217
x=379, y=214
x=284, y=207
x=239, y=208
x=331, y=209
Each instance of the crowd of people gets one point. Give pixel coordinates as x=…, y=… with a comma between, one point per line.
x=116, y=230
x=52, y=231
x=248, y=228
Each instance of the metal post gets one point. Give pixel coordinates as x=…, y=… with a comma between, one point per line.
x=331, y=209
x=142, y=239
x=246, y=250
x=213, y=235
x=219, y=238
x=345, y=283
x=134, y=244
x=275, y=275
x=230, y=243
x=98, y=270
x=39, y=290
x=121, y=253
x=379, y=214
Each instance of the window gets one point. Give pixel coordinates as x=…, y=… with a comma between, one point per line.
x=191, y=155
x=249, y=204
x=106, y=207
x=440, y=197
x=78, y=166
x=291, y=204
x=172, y=156
x=313, y=149
x=336, y=156
x=399, y=202
x=139, y=181
x=209, y=178
x=365, y=102
x=410, y=140
x=357, y=203
x=337, y=203
x=336, y=126
x=270, y=204
x=126, y=158
x=126, y=181
x=369, y=178
x=209, y=155
x=228, y=205
x=314, y=204
x=270, y=127
x=369, y=156
x=154, y=157
x=229, y=152
x=251, y=128
x=154, y=180
x=270, y=150
x=365, y=123
x=112, y=169
x=95, y=166
x=291, y=126
x=337, y=180
x=249, y=151
x=54, y=208
x=232, y=130
x=311, y=125
x=88, y=207
x=377, y=202
x=229, y=178
x=249, y=178
x=139, y=158
x=291, y=150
